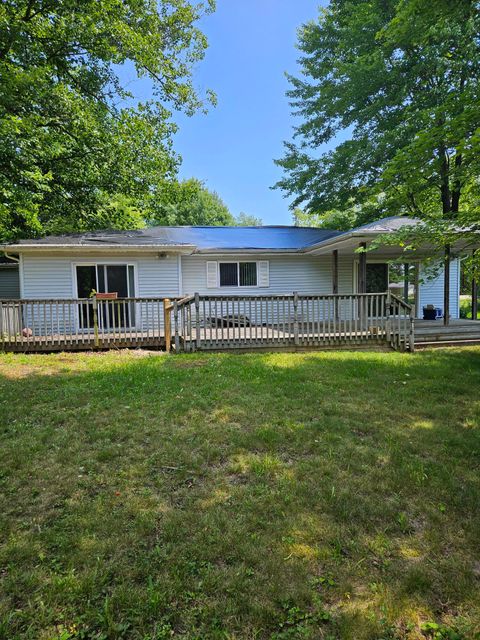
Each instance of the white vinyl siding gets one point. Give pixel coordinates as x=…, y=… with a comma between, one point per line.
x=278, y=274
x=431, y=289
x=49, y=277
x=53, y=276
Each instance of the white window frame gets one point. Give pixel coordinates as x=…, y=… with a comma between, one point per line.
x=240, y=286
x=96, y=263
x=108, y=264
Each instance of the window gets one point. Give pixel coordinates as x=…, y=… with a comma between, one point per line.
x=238, y=274
x=104, y=278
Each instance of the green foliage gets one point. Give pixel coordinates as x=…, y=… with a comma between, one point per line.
x=247, y=220
x=437, y=631
x=71, y=143
x=329, y=220
x=399, y=79
x=188, y=203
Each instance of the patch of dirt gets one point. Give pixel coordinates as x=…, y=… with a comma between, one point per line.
x=189, y=364
x=127, y=353
x=19, y=371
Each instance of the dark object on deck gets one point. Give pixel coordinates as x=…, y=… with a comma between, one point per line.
x=230, y=321
x=430, y=312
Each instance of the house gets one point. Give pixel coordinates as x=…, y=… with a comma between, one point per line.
x=175, y=262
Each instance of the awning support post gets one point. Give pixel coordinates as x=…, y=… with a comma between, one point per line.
x=446, y=287
x=362, y=269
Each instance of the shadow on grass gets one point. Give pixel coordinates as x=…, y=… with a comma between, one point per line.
x=255, y=496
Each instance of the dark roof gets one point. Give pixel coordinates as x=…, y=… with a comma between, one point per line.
x=135, y=238
x=232, y=238
x=211, y=239
x=203, y=238
x=393, y=223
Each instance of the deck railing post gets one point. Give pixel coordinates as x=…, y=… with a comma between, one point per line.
x=388, y=312
x=95, y=320
x=175, y=324
x=197, y=321
x=2, y=332
x=412, y=331
x=167, y=321
x=296, y=339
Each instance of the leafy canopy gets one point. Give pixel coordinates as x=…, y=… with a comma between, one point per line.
x=76, y=151
x=247, y=220
x=189, y=203
x=398, y=81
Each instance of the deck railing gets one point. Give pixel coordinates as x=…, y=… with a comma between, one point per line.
x=207, y=322
x=36, y=325
x=203, y=322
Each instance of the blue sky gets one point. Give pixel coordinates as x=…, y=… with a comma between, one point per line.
x=232, y=148
x=251, y=45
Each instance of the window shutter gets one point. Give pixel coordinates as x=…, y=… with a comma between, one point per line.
x=263, y=273
x=211, y=275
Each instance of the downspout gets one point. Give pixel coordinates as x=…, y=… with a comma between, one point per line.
x=12, y=257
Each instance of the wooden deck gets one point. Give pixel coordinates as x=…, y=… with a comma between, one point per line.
x=219, y=323
x=432, y=333
x=83, y=342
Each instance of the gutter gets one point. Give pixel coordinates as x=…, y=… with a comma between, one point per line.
x=240, y=251
x=91, y=248
x=348, y=235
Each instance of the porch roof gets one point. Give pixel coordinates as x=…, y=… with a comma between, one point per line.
x=348, y=242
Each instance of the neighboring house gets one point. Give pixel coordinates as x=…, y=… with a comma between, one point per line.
x=9, y=279
x=177, y=261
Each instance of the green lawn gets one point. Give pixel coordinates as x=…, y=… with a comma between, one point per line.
x=235, y=497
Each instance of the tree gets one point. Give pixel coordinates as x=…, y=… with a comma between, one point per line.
x=334, y=219
x=246, y=220
x=400, y=80
x=189, y=203
x=73, y=143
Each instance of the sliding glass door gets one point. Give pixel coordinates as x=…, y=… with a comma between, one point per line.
x=107, y=278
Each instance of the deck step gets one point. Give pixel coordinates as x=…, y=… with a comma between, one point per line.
x=443, y=337
x=447, y=343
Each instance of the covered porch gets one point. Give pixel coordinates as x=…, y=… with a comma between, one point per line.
x=428, y=279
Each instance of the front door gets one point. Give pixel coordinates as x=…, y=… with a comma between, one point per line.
x=106, y=278
x=377, y=277
x=377, y=282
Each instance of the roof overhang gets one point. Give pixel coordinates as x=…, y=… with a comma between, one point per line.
x=185, y=249
x=348, y=243
x=240, y=251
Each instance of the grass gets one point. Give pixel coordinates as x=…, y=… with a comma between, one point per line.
x=240, y=497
